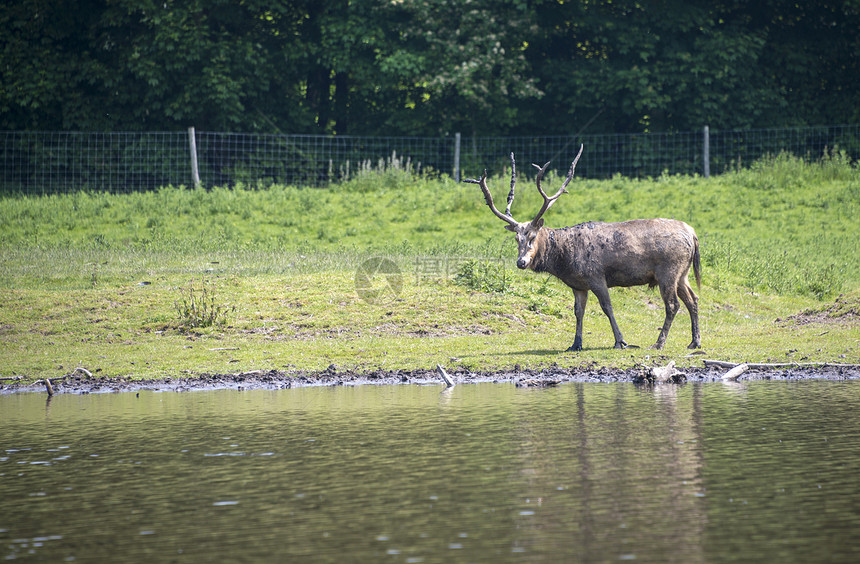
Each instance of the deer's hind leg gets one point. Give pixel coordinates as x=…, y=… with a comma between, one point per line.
x=691, y=300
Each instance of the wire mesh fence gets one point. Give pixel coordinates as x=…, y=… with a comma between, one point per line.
x=640, y=155
x=309, y=160
x=55, y=162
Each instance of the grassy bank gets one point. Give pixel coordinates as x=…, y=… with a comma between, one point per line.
x=107, y=281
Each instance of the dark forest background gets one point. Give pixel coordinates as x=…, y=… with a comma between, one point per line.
x=427, y=68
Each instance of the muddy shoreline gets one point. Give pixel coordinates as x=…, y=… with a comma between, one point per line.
x=276, y=380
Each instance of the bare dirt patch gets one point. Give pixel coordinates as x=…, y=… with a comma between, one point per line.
x=844, y=310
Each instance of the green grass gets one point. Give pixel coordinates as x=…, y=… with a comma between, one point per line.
x=94, y=280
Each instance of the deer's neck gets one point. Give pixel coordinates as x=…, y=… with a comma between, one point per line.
x=546, y=257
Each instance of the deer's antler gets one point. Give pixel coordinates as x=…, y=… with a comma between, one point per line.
x=489, y=197
x=513, y=183
x=549, y=201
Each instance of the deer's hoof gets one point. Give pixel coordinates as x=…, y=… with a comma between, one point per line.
x=656, y=346
x=621, y=345
x=694, y=345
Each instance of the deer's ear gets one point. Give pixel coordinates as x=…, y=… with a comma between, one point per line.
x=511, y=228
x=538, y=224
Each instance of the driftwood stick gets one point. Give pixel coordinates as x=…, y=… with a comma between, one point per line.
x=733, y=374
x=445, y=376
x=49, y=387
x=84, y=370
x=767, y=365
x=225, y=349
x=11, y=377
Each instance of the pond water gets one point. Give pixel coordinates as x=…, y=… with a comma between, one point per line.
x=762, y=471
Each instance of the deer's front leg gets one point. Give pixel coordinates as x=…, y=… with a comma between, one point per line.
x=580, y=297
x=602, y=292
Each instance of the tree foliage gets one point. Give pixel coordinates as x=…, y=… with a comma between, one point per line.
x=428, y=67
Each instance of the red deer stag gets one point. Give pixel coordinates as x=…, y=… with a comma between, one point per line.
x=598, y=256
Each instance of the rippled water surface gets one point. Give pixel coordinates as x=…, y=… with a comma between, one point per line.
x=764, y=471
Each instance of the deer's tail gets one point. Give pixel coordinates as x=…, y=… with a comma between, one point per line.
x=697, y=263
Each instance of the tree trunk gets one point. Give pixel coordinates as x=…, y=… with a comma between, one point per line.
x=341, y=102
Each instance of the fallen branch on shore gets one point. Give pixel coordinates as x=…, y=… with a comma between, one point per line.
x=47, y=382
x=445, y=376
x=11, y=378
x=732, y=375
x=770, y=365
x=49, y=387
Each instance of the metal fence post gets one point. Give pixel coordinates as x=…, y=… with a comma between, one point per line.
x=457, y=157
x=706, y=154
x=192, y=144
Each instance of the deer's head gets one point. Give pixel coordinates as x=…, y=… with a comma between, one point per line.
x=528, y=234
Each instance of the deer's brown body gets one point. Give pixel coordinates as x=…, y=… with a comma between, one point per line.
x=597, y=256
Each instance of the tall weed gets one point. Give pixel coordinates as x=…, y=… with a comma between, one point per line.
x=483, y=276
x=392, y=173
x=198, y=308
x=785, y=171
